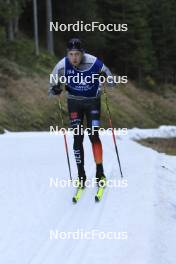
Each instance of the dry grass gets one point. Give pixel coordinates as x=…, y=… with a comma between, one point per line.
x=132, y=107
x=162, y=145
x=24, y=105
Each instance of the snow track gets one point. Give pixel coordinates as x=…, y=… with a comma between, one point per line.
x=31, y=208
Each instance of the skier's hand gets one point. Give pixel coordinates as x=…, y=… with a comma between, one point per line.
x=55, y=90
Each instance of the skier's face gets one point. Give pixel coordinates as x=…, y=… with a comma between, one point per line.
x=75, y=57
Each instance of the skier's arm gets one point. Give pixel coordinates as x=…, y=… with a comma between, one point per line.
x=107, y=73
x=55, y=86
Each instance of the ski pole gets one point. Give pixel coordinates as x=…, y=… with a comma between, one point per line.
x=113, y=135
x=65, y=138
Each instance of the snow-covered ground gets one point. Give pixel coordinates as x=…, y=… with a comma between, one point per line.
x=144, y=212
x=161, y=132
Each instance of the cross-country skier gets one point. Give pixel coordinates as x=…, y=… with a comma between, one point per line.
x=84, y=99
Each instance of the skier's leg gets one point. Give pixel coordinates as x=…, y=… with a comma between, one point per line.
x=79, y=154
x=93, y=123
x=98, y=153
x=76, y=122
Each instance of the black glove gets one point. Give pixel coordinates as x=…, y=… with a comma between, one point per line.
x=56, y=90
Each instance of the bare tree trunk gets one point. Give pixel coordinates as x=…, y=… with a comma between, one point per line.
x=16, y=21
x=49, y=17
x=35, y=14
x=9, y=27
x=16, y=25
x=10, y=31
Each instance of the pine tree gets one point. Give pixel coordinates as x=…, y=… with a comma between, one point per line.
x=9, y=13
x=131, y=51
x=72, y=11
x=163, y=25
